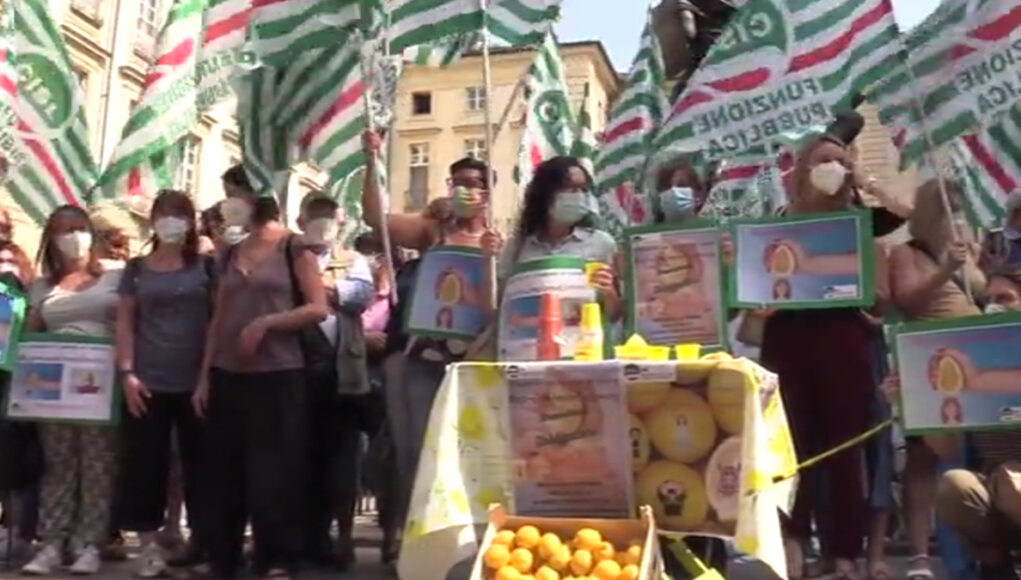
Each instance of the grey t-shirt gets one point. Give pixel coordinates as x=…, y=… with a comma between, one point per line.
x=171, y=321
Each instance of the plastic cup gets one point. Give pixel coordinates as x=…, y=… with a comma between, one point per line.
x=590, y=271
x=658, y=353
x=688, y=352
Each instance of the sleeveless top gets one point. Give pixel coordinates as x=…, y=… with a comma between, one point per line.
x=266, y=289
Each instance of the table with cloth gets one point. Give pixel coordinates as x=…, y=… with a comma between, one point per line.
x=466, y=465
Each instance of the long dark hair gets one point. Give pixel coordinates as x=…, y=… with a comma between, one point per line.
x=49, y=258
x=549, y=177
x=177, y=203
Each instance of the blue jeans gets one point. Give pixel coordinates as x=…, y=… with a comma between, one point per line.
x=411, y=387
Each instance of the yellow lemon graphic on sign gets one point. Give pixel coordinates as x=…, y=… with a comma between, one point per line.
x=639, y=444
x=781, y=259
x=642, y=397
x=726, y=393
x=682, y=427
x=449, y=287
x=949, y=375
x=675, y=493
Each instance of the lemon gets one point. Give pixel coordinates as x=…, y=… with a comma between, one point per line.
x=450, y=289
x=504, y=538
x=560, y=559
x=522, y=559
x=642, y=397
x=581, y=562
x=633, y=555
x=726, y=394
x=527, y=537
x=497, y=556
x=548, y=545
x=588, y=539
x=676, y=494
x=606, y=570
x=783, y=262
x=639, y=443
x=682, y=427
x=546, y=573
x=508, y=573
x=949, y=377
x=717, y=356
x=629, y=572
x=605, y=552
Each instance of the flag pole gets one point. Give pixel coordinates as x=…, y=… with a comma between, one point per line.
x=366, y=65
x=930, y=159
x=487, y=80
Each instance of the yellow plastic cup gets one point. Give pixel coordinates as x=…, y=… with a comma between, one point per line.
x=688, y=352
x=590, y=270
x=658, y=353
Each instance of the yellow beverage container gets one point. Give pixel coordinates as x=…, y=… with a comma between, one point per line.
x=688, y=352
x=590, y=335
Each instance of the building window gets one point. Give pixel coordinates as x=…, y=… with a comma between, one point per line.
x=476, y=98
x=421, y=103
x=148, y=16
x=475, y=148
x=418, y=181
x=188, y=170
x=83, y=81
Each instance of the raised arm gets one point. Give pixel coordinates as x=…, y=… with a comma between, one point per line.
x=414, y=231
x=911, y=288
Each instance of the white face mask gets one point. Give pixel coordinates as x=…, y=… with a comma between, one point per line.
x=236, y=211
x=321, y=230
x=170, y=230
x=828, y=177
x=994, y=308
x=74, y=245
x=570, y=207
x=233, y=235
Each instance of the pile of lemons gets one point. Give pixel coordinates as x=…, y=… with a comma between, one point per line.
x=528, y=554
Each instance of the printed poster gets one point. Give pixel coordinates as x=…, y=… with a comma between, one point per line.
x=960, y=374
x=63, y=378
x=448, y=299
x=674, y=287
x=569, y=445
x=12, y=318
x=519, y=311
x=685, y=427
x=811, y=261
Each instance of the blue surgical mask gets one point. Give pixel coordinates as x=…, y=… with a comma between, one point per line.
x=570, y=207
x=677, y=203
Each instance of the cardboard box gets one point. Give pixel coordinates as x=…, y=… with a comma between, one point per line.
x=620, y=533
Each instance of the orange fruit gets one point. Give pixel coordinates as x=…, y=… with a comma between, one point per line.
x=504, y=538
x=588, y=539
x=633, y=555
x=497, y=556
x=546, y=573
x=548, y=544
x=629, y=572
x=560, y=559
x=605, y=552
x=522, y=559
x=581, y=562
x=527, y=537
x=508, y=573
x=606, y=570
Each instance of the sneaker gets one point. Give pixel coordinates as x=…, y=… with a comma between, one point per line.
x=44, y=562
x=87, y=561
x=151, y=562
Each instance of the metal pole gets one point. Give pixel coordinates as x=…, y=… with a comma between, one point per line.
x=111, y=78
x=366, y=64
x=487, y=80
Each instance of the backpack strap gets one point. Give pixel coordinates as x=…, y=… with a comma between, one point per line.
x=289, y=250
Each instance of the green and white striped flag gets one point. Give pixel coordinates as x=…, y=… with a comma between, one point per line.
x=265, y=149
x=628, y=137
x=424, y=22
x=521, y=22
x=43, y=133
x=143, y=161
x=283, y=29
x=585, y=144
x=225, y=52
x=441, y=54
x=964, y=63
x=780, y=67
x=548, y=124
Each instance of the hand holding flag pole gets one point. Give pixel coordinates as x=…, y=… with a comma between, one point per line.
x=366, y=62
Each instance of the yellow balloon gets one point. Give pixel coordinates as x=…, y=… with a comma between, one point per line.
x=726, y=393
x=682, y=427
x=676, y=494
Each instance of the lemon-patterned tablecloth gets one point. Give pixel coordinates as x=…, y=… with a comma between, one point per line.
x=465, y=467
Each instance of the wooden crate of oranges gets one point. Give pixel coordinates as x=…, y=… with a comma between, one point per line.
x=523, y=548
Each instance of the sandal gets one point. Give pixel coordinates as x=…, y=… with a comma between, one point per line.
x=880, y=571
x=919, y=568
x=845, y=570
x=795, y=555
